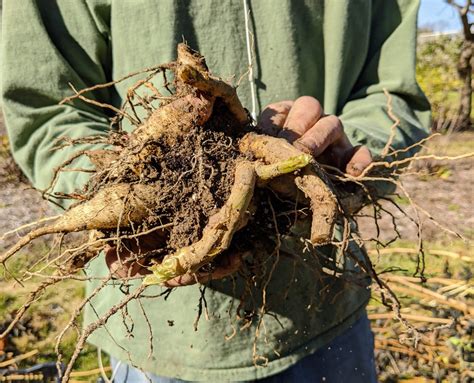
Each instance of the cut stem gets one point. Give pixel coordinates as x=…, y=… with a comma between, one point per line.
x=267, y=172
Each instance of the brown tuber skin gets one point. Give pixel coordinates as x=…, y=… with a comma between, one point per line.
x=193, y=70
x=323, y=202
x=175, y=118
x=113, y=206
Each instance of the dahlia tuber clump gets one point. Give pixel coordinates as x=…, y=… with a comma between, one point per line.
x=189, y=170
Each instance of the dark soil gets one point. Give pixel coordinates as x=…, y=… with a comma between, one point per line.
x=196, y=175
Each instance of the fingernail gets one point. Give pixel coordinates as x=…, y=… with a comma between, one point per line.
x=355, y=169
x=300, y=146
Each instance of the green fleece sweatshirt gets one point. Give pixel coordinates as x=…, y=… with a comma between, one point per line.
x=344, y=53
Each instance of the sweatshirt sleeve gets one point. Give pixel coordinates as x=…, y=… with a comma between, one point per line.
x=390, y=65
x=45, y=46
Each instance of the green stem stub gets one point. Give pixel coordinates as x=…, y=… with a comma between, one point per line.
x=267, y=172
x=163, y=272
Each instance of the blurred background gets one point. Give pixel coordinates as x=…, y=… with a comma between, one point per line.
x=442, y=304
x=444, y=68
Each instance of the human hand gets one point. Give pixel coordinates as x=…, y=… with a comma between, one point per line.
x=129, y=261
x=303, y=123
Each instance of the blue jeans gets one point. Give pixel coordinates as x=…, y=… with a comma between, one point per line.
x=348, y=358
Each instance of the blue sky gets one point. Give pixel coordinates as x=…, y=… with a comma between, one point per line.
x=439, y=16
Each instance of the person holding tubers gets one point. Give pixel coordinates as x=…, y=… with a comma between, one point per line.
x=319, y=71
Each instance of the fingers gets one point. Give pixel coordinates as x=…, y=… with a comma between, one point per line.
x=227, y=266
x=303, y=123
x=325, y=132
x=127, y=260
x=304, y=113
x=182, y=280
x=290, y=120
x=123, y=266
x=273, y=117
x=327, y=141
